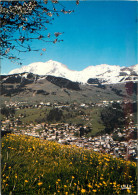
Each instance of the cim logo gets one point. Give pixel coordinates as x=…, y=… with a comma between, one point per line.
x=125, y=187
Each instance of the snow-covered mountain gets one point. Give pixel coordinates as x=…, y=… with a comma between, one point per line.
x=104, y=73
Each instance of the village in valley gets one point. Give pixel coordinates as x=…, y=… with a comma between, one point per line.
x=121, y=142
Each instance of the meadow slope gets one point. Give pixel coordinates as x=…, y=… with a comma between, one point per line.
x=34, y=166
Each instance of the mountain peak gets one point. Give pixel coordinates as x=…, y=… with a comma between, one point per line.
x=108, y=73
x=52, y=61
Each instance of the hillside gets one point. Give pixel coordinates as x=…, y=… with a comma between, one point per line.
x=30, y=87
x=34, y=166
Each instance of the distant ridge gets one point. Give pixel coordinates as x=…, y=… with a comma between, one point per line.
x=104, y=73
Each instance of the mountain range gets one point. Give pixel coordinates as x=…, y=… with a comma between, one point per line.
x=54, y=82
x=103, y=74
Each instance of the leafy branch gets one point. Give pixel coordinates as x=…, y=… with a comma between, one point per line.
x=28, y=21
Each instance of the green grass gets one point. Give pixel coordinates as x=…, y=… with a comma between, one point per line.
x=34, y=166
x=37, y=115
x=32, y=114
x=96, y=121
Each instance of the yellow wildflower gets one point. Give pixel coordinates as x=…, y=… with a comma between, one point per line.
x=83, y=191
x=94, y=190
x=89, y=185
x=26, y=181
x=40, y=183
x=114, y=183
x=107, y=159
x=128, y=191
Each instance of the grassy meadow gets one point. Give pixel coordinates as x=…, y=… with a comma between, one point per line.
x=38, y=115
x=34, y=166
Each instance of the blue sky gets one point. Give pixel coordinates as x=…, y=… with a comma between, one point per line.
x=102, y=32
